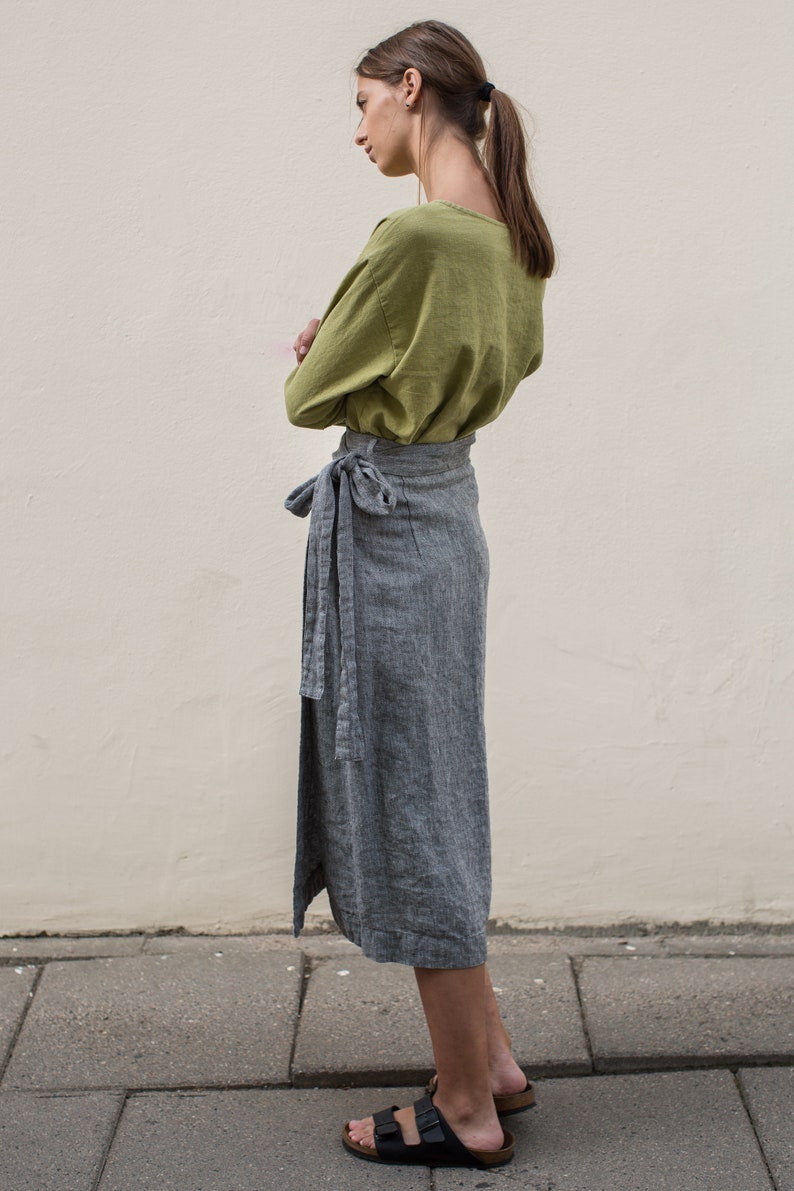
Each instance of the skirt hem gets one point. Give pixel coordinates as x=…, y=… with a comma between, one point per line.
x=399, y=947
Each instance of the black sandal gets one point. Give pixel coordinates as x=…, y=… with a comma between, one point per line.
x=505, y=1105
x=438, y=1145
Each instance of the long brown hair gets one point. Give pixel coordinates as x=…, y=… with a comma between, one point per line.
x=453, y=71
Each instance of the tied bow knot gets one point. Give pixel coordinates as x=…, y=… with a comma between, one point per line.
x=350, y=477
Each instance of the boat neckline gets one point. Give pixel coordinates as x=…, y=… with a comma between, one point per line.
x=469, y=211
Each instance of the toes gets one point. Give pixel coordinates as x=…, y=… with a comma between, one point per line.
x=365, y=1125
x=362, y=1135
x=359, y=1133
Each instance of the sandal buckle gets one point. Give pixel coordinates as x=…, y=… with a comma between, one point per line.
x=429, y=1126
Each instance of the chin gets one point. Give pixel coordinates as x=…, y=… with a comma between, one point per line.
x=392, y=169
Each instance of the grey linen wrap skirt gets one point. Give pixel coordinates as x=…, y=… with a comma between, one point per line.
x=393, y=815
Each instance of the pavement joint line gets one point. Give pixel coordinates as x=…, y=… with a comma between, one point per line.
x=746, y=1108
x=710, y=1063
x=34, y=959
x=42, y=960
x=607, y=1066
x=177, y=1089
x=201, y=1089
x=29, y=1001
x=307, y=967
x=582, y=1014
x=109, y=1144
x=495, y=928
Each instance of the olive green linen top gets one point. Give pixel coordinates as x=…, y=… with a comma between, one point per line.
x=427, y=335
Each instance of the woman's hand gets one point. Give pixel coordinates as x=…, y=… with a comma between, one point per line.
x=305, y=339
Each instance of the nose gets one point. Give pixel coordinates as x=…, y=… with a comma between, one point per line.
x=361, y=135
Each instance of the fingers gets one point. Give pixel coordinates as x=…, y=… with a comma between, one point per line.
x=306, y=338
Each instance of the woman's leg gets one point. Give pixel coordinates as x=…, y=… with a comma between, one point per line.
x=506, y=1075
x=457, y=1012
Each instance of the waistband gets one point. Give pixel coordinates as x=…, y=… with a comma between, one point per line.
x=355, y=474
x=406, y=459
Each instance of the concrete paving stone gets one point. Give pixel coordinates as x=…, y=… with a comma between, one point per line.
x=66, y=947
x=250, y=1140
x=687, y=1011
x=745, y=944
x=663, y=1131
x=332, y=942
x=574, y=945
x=537, y=1000
x=16, y=984
x=210, y=944
x=315, y=946
x=529, y=943
x=363, y=1022
x=52, y=1142
x=153, y=1021
x=320, y=945
x=509, y=944
x=769, y=1095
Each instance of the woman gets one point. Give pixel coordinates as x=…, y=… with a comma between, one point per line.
x=424, y=341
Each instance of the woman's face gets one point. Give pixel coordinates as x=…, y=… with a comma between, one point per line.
x=386, y=126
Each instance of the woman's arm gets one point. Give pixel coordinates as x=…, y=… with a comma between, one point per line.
x=351, y=350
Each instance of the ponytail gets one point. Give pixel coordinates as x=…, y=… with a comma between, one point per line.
x=504, y=157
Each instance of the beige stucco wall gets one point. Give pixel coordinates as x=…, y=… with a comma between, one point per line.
x=180, y=194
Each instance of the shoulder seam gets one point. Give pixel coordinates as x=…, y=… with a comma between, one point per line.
x=398, y=216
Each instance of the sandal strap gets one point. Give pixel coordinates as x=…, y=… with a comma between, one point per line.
x=427, y=1120
x=437, y=1134
x=388, y=1135
x=385, y=1125
x=437, y=1142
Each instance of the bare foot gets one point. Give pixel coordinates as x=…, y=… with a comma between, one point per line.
x=507, y=1078
x=477, y=1133
x=364, y=1131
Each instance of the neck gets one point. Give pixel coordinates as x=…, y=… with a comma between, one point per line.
x=450, y=171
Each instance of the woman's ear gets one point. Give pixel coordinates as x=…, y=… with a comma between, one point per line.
x=412, y=85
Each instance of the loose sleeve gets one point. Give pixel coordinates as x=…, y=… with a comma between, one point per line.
x=352, y=349
x=536, y=358
x=534, y=363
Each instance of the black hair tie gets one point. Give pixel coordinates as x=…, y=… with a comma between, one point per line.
x=484, y=92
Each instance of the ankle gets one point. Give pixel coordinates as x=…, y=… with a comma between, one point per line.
x=500, y=1045
x=500, y=1059
x=506, y=1076
x=465, y=1107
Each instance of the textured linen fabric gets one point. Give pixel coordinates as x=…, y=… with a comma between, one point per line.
x=427, y=335
x=393, y=813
